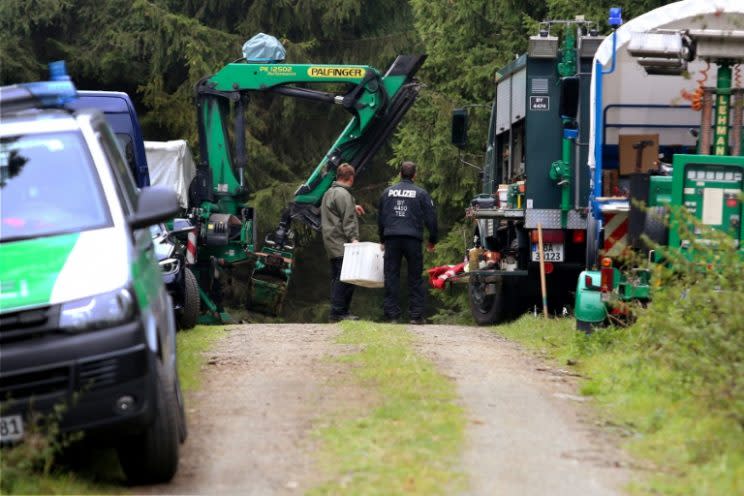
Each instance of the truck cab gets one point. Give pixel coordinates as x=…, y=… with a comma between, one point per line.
x=119, y=112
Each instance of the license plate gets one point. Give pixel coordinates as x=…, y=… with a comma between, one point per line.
x=553, y=252
x=11, y=428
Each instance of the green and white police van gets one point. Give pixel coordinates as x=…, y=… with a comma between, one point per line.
x=85, y=320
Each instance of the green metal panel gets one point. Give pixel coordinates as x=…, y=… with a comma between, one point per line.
x=543, y=134
x=589, y=305
x=660, y=191
x=709, y=186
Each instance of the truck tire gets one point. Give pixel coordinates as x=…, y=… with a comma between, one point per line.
x=486, y=309
x=190, y=312
x=151, y=457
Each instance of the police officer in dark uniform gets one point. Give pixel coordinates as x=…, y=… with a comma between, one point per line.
x=404, y=210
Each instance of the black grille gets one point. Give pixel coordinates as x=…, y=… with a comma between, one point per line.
x=98, y=374
x=36, y=383
x=27, y=324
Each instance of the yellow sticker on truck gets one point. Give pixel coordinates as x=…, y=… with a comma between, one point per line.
x=341, y=72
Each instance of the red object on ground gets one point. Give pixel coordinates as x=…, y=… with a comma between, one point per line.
x=438, y=275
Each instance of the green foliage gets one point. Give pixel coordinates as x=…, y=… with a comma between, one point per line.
x=409, y=440
x=674, y=378
x=695, y=325
x=33, y=466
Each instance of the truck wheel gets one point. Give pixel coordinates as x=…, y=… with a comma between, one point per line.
x=486, y=308
x=190, y=311
x=152, y=456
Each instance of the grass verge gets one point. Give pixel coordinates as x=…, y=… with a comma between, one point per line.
x=191, y=346
x=687, y=447
x=35, y=466
x=410, y=441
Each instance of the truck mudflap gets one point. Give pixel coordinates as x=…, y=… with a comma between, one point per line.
x=590, y=309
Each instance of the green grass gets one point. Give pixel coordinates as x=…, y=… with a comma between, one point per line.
x=410, y=440
x=191, y=346
x=685, y=446
x=31, y=467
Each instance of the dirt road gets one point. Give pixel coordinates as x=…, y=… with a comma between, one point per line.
x=266, y=386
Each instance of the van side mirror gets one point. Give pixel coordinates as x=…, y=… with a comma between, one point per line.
x=569, y=102
x=460, y=127
x=155, y=204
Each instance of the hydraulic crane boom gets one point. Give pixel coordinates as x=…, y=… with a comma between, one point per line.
x=376, y=103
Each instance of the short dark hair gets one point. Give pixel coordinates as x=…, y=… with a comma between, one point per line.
x=407, y=170
x=344, y=172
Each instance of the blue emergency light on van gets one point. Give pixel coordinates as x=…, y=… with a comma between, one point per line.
x=56, y=92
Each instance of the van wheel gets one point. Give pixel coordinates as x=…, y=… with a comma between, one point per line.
x=183, y=431
x=152, y=456
x=486, y=308
x=190, y=311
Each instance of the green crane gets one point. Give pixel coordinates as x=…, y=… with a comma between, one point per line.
x=227, y=224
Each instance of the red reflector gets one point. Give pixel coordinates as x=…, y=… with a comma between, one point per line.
x=731, y=202
x=608, y=276
x=588, y=281
x=549, y=267
x=578, y=236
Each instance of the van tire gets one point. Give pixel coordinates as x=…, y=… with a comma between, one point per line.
x=151, y=457
x=190, y=311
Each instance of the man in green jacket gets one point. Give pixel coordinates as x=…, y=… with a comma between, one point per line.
x=338, y=214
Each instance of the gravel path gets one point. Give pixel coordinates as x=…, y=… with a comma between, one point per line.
x=528, y=431
x=266, y=387
x=250, y=422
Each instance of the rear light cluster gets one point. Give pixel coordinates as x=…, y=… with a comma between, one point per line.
x=607, y=274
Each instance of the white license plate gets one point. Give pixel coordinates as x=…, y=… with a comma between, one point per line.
x=553, y=252
x=11, y=428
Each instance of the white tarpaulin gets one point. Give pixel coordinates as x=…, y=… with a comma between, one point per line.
x=629, y=83
x=171, y=164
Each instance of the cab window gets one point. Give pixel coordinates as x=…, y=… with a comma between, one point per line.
x=127, y=188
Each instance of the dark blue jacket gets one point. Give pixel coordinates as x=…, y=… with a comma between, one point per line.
x=404, y=209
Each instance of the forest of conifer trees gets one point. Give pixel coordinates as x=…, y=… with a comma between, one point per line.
x=156, y=50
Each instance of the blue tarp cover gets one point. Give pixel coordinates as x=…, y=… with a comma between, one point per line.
x=263, y=48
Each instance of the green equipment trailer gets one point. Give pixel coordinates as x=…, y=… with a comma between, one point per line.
x=218, y=196
x=642, y=84
x=534, y=175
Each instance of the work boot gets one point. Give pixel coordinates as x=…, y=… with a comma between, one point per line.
x=339, y=318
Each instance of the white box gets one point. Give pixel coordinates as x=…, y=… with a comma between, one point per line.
x=363, y=264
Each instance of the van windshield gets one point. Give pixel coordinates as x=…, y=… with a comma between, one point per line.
x=48, y=186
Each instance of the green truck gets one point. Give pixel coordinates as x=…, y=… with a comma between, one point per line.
x=534, y=176
x=665, y=85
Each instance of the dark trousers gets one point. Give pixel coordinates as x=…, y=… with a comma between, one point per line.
x=341, y=292
x=396, y=248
